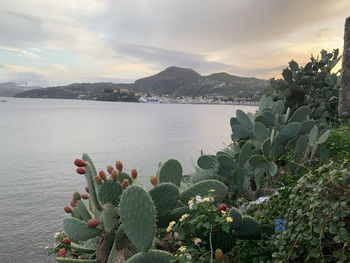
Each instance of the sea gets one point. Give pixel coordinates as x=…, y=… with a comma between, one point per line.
x=41, y=138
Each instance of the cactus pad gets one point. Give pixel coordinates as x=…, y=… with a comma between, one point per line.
x=78, y=229
x=109, y=217
x=206, y=162
x=138, y=217
x=249, y=228
x=74, y=260
x=165, y=197
x=202, y=188
x=237, y=218
x=152, y=256
x=122, y=176
x=110, y=192
x=171, y=171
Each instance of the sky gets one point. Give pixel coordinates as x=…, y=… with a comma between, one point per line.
x=50, y=42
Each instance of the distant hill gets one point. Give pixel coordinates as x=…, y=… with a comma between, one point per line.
x=187, y=82
x=9, y=89
x=105, y=91
x=173, y=81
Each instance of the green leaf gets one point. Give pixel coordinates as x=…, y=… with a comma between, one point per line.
x=313, y=135
x=301, y=145
x=261, y=130
x=300, y=114
x=244, y=154
x=257, y=161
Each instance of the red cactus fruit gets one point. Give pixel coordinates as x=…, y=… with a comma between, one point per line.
x=98, y=179
x=62, y=253
x=133, y=174
x=66, y=241
x=103, y=175
x=115, y=175
x=87, y=189
x=79, y=163
x=154, y=180
x=222, y=207
x=93, y=223
x=76, y=196
x=73, y=203
x=85, y=196
x=125, y=183
x=81, y=170
x=119, y=166
x=110, y=168
x=67, y=209
x=219, y=255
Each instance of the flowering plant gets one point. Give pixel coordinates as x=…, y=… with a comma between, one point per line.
x=194, y=231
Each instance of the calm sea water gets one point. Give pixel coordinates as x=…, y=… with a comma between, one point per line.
x=39, y=140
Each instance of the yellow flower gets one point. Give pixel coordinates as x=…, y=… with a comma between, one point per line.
x=211, y=190
x=57, y=234
x=184, y=216
x=182, y=249
x=223, y=212
x=229, y=219
x=171, y=224
x=190, y=202
x=206, y=199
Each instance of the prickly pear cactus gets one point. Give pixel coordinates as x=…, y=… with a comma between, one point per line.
x=202, y=188
x=138, y=216
x=165, y=197
x=78, y=229
x=171, y=171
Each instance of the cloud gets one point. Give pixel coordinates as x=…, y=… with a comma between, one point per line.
x=165, y=58
x=29, y=78
x=28, y=18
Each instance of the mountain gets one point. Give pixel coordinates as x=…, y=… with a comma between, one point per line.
x=173, y=81
x=105, y=91
x=9, y=89
x=177, y=81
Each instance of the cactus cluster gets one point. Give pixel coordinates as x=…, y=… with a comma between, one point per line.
x=313, y=85
x=121, y=218
x=261, y=141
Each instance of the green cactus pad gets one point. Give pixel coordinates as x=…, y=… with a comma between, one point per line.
x=306, y=126
x=171, y=171
x=222, y=240
x=243, y=119
x=122, y=176
x=152, y=256
x=237, y=218
x=165, y=197
x=78, y=229
x=301, y=145
x=300, y=114
x=227, y=162
x=261, y=131
x=249, y=228
x=257, y=161
x=76, y=214
x=89, y=175
x=110, y=192
x=290, y=130
x=121, y=239
x=109, y=217
x=244, y=154
x=74, y=260
x=240, y=132
x=267, y=148
x=174, y=215
x=81, y=249
x=202, y=188
x=83, y=211
x=138, y=216
x=207, y=161
x=92, y=243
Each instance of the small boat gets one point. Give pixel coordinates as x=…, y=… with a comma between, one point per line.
x=5, y=101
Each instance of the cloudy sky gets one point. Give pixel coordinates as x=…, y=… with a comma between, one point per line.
x=50, y=42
